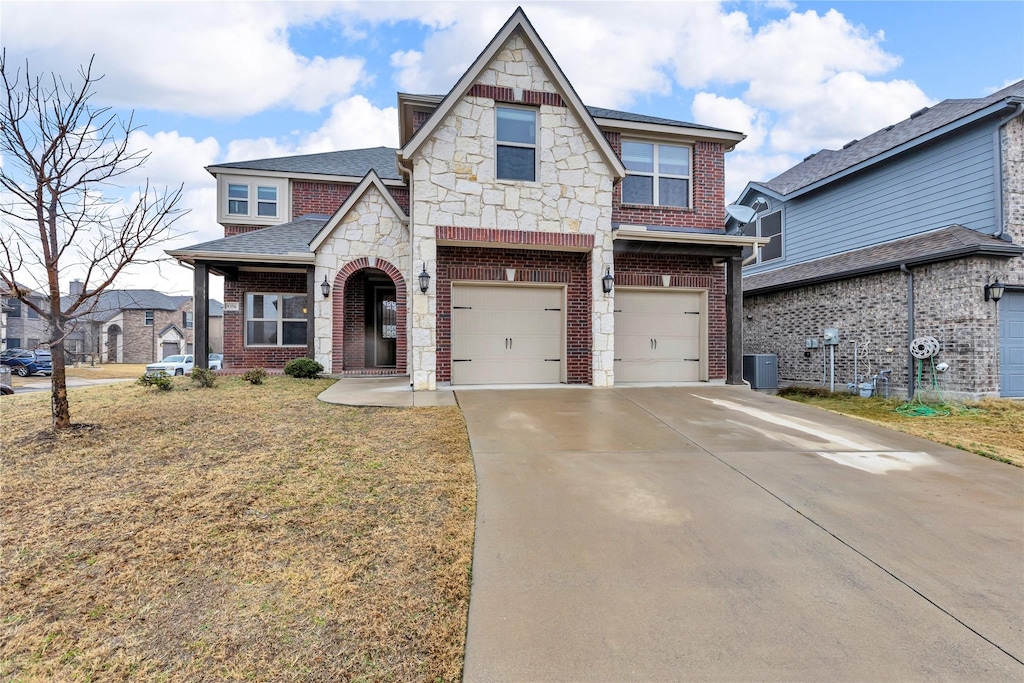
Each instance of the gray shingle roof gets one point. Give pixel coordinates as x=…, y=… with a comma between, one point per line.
x=110, y=302
x=828, y=162
x=601, y=113
x=277, y=240
x=947, y=243
x=351, y=162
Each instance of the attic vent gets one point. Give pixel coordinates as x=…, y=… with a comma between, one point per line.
x=849, y=144
x=810, y=156
x=919, y=112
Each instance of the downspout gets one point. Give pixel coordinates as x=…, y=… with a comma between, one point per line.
x=997, y=137
x=910, y=329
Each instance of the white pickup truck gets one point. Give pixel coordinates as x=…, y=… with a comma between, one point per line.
x=172, y=365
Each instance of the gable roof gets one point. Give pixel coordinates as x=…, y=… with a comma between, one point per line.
x=110, y=302
x=921, y=126
x=352, y=163
x=516, y=24
x=370, y=181
x=944, y=244
x=287, y=242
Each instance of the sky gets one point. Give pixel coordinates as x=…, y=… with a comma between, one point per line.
x=213, y=82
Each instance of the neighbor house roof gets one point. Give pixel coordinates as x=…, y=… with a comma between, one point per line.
x=351, y=162
x=915, y=129
x=112, y=301
x=286, y=242
x=944, y=244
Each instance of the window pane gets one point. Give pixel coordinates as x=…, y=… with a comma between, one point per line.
x=32, y=314
x=261, y=306
x=238, y=191
x=516, y=163
x=294, y=306
x=638, y=189
x=266, y=193
x=673, y=192
x=638, y=156
x=673, y=160
x=266, y=208
x=261, y=332
x=517, y=125
x=238, y=206
x=771, y=226
x=295, y=333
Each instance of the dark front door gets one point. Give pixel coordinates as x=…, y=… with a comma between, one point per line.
x=382, y=328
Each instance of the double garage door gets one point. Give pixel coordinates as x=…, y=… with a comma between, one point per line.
x=507, y=334
x=504, y=334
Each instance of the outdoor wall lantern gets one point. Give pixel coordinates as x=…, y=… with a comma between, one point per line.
x=608, y=281
x=325, y=287
x=995, y=291
x=424, y=279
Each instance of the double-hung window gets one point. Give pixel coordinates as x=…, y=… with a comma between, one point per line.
x=275, y=319
x=258, y=201
x=658, y=175
x=238, y=200
x=149, y=318
x=516, y=154
x=768, y=225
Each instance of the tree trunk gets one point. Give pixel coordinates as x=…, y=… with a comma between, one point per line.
x=59, y=406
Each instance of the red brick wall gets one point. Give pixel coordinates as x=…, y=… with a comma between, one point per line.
x=708, y=180
x=488, y=265
x=325, y=198
x=348, y=333
x=646, y=270
x=355, y=322
x=236, y=354
x=230, y=230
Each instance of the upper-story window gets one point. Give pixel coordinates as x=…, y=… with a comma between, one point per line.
x=33, y=314
x=658, y=174
x=15, y=308
x=766, y=225
x=238, y=200
x=253, y=200
x=149, y=319
x=516, y=154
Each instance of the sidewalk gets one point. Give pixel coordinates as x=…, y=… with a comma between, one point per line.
x=387, y=392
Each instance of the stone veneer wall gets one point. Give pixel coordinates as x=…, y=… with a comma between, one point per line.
x=482, y=264
x=236, y=353
x=371, y=229
x=694, y=272
x=1012, y=141
x=948, y=305
x=454, y=184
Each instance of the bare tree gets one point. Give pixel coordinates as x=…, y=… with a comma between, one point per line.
x=61, y=209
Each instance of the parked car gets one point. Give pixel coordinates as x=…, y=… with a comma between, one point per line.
x=216, y=361
x=172, y=365
x=26, y=363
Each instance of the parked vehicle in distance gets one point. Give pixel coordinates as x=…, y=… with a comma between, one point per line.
x=172, y=365
x=25, y=363
x=216, y=361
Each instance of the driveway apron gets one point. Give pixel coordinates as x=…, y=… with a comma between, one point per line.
x=713, y=533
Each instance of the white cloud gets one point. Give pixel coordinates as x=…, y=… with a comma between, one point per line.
x=354, y=124
x=732, y=114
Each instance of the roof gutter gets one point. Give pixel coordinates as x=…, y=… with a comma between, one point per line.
x=997, y=141
x=287, y=259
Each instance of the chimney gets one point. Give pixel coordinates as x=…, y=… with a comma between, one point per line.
x=75, y=288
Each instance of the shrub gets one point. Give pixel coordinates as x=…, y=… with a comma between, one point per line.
x=160, y=380
x=204, y=378
x=255, y=376
x=303, y=367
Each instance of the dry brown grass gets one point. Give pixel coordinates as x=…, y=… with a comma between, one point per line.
x=993, y=428
x=107, y=371
x=235, y=533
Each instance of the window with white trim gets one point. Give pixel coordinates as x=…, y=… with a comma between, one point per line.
x=516, y=149
x=244, y=199
x=767, y=225
x=275, y=319
x=657, y=174
x=149, y=319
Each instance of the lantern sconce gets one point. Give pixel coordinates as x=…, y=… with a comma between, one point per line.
x=608, y=281
x=995, y=290
x=424, y=279
x=325, y=287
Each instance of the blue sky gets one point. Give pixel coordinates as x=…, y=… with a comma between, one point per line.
x=215, y=82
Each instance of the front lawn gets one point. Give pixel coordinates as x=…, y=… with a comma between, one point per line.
x=993, y=428
x=234, y=533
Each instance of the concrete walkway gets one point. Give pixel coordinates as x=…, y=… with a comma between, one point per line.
x=664, y=534
x=390, y=392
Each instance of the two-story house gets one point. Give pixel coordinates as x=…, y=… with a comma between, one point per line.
x=24, y=327
x=914, y=231
x=515, y=236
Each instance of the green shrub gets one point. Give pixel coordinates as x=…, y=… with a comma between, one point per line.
x=160, y=380
x=204, y=378
x=255, y=376
x=303, y=367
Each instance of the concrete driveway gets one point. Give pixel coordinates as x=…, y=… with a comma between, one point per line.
x=713, y=533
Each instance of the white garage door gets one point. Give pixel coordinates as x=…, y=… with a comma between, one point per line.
x=659, y=336
x=507, y=334
x=1011, y=343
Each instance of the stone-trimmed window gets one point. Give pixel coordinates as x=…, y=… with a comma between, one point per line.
x=767, y=225
x=252, y=200
x=516, y=138
x=658, y=174
x=275, y=319
x=149, y=319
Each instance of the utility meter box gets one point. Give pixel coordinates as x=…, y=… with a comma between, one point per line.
x=831, y=336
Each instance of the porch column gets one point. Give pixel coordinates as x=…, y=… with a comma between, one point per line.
x=311, y=315
x=201, y=315
x=734, y=321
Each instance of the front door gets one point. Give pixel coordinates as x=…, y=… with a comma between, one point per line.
x=385, y=328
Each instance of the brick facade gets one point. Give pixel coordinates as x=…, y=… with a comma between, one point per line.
x=348, y=313
x=489, y=265
x=325, y=198
x=236, y=353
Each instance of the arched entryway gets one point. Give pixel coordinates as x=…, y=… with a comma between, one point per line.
x=369, y=318
x=113, y=344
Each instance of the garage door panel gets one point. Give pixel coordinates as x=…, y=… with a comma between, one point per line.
x=658, y=336
x=1011, y=344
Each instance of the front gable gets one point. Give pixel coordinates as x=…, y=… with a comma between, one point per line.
x=369, y=214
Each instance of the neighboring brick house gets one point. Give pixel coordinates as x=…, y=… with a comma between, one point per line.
x=23, y=327
x=895, y=237
x=516, y=236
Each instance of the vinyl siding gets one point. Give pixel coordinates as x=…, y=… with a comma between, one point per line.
x=943, y=183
